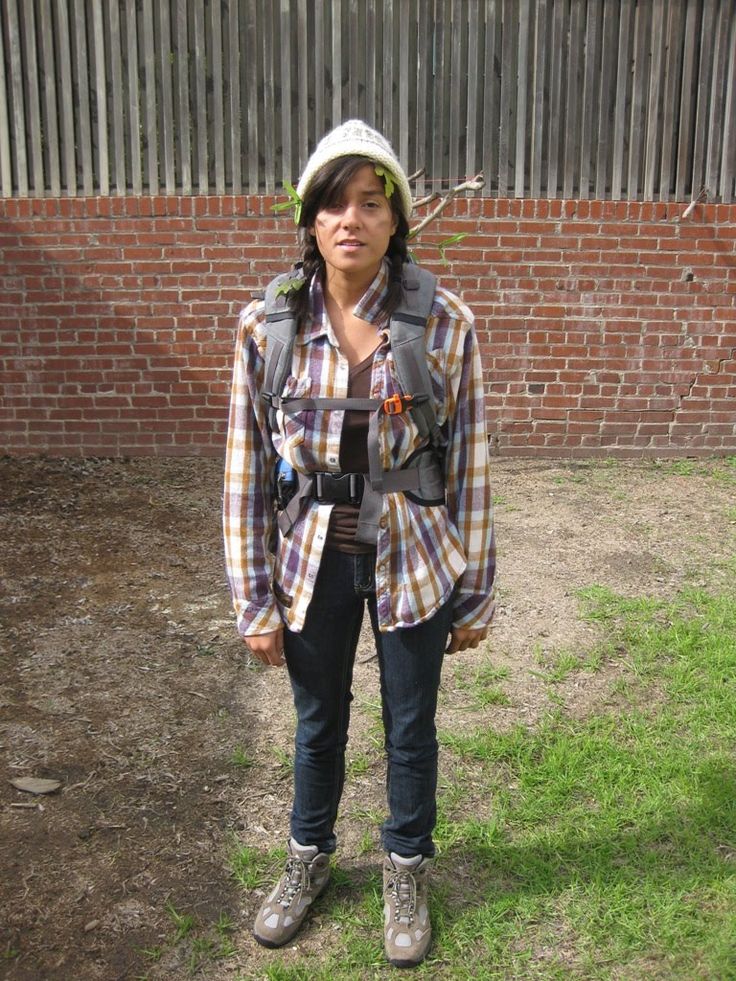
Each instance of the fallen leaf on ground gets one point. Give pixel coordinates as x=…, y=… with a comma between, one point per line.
x=36, y=785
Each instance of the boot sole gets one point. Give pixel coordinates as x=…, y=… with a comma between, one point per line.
x=406, y=962
x=396, y=963
x=272, y=944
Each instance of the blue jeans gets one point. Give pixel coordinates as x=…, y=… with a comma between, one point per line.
x=320, y=662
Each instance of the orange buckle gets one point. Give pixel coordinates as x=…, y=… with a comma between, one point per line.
x=395, y=404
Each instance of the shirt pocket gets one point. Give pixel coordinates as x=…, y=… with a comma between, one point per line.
x=293, y=425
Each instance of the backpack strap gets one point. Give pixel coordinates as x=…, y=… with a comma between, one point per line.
x=409, y=347
x=280, y=335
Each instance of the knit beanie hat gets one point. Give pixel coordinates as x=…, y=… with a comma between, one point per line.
x=357, y=138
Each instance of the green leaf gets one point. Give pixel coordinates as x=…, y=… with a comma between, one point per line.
x=387, y=179
x=452, y=240
x=290, y=286
x=294, y=202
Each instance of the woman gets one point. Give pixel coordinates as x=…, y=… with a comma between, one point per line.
x=426, y=575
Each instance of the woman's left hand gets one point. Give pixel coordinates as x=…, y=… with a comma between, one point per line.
x=462, y=639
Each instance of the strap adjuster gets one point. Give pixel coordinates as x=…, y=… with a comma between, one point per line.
x=396, y=404
x=271, y=399
x=338, y=488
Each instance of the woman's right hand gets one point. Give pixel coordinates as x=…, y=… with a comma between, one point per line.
x=267, y=648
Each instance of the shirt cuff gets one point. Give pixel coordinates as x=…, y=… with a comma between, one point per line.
x=261, y=620
x=474, y=612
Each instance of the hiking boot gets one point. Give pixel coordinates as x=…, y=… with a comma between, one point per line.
x=306, y=875
x=407, y=930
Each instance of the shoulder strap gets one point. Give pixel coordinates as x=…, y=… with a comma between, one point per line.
x=409, y=347
x=280, y=335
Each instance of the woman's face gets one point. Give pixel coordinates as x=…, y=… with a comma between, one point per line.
x=353, y=234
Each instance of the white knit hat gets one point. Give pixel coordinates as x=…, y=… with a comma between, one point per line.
x=357, y=138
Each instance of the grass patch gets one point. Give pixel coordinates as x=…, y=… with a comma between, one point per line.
x=242, y=758
x=596, y=848
x=358, y=765
x=154, y=954
x=617, y=833
x=482, y=684
x=367, y=843
x=253, y=869
x=722, y=470
x=501, y=503
x=202, y=944
x=558, y=666
x=284, y=760
x=183, y=922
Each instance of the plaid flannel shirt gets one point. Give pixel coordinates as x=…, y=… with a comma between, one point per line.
x=422, y=552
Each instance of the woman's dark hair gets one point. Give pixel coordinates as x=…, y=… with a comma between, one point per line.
x=327, y=188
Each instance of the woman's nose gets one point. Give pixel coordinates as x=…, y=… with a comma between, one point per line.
x=350, y=216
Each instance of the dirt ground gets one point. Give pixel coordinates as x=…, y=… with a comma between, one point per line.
x=122, y=676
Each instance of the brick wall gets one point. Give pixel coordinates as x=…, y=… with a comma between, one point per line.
x=606, y=327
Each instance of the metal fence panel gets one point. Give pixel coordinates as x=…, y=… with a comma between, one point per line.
x=549, y=98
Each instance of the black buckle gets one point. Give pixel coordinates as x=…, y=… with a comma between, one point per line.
x=276, y=401
x=338, y=488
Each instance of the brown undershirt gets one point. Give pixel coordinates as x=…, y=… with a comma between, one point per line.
x=353, y=459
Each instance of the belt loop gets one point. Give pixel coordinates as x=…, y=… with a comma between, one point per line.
x=318, y=486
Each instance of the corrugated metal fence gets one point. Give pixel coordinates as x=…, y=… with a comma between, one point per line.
x=549, y=98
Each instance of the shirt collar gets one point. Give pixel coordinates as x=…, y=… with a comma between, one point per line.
x=368, y=308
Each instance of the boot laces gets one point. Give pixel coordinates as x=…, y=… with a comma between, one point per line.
x=402, y=887
x=295, y=880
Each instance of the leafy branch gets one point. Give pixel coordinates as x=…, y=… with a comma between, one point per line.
x=474, y=184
